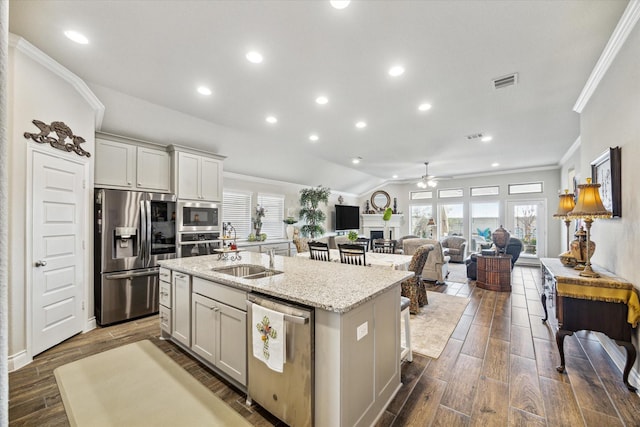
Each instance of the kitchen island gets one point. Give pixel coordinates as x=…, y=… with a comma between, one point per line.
x=356, y=326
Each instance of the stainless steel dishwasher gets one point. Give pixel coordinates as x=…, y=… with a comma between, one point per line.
x=288, y=395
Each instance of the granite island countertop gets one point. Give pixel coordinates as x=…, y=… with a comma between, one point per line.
x=326, y=285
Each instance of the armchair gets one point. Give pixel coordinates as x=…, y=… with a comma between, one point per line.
x=436, y=268
x=457, y=246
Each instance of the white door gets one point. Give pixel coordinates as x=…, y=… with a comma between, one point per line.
x=526, y=221
x=58, y=258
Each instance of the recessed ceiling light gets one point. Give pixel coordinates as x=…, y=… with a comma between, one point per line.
x=254, y=57
x=313, y=137
x=339, y=4
x=495, y=164
x=424, y=107
x=396, y=71
x=203, y=90
x=271, y=119
x=322, y=100
x=76, y=37
x=486, y=138
x=394, y=176
x=356, y=160
x=361, y=125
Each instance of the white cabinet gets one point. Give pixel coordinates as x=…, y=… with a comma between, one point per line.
x=181, y=308
x=218, y=329
x=280, y=247
x=198, y=177
x=165, y=301
x=131, y=165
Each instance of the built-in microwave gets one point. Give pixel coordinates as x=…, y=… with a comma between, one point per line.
x=199, y=216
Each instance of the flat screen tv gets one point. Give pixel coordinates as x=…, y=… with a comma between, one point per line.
x=347, y=217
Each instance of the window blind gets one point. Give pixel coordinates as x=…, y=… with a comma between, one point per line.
x=272, y=222
x=236, y=209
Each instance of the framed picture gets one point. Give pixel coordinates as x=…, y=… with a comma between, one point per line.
x=605, y=170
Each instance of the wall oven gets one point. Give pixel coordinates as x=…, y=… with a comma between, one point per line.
x=197, y=243
x=199, y=216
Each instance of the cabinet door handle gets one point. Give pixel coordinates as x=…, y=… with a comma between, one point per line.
x=139, y=184
x=128, y=182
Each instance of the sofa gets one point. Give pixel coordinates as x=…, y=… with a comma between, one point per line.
x=457, y=247
x=436, y=268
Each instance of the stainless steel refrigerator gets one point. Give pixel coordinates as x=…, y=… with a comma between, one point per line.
x=133, y=231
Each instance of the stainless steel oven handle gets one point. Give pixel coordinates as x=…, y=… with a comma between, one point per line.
x=145, y=272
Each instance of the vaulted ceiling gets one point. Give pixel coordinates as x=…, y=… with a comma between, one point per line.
x=146, y=59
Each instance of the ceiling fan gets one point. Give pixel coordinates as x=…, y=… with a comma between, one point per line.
x=427, y=180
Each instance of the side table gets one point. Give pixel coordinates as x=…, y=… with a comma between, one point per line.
x=494, y=272
x=607, y=304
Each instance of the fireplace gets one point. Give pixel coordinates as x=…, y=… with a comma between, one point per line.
x=379, y=234
x=373, y=225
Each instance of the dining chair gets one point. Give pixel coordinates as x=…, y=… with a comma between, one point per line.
x=384, y=246
x=354, y=254
x=319, y=251
x=413, y=288
x=364, y=241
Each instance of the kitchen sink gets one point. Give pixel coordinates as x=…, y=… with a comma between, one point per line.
x=247, y=271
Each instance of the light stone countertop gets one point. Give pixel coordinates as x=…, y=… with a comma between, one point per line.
x=326, y=285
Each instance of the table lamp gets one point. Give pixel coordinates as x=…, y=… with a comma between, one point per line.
x=588, y=208
x=565, y=205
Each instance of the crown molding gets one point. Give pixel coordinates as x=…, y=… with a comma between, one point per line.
x=574, y=147
x=625, y=25
x=76, y=82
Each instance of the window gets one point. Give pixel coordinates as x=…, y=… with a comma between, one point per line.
x=418, y=195
x=272, y=222
x=445, y=194
x=485, y=218
x=533, y=187
x=236, y=209
x=419, y=221
x=485, y=191
x=451, y=220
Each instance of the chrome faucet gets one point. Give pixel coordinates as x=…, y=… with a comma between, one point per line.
x=271, y=257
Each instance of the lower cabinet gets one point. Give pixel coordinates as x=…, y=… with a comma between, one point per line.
x=181, y=308
x=218, y=336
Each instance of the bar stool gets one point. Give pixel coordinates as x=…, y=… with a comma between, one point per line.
x=406, y=352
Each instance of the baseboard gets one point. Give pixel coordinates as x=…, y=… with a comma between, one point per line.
x=90, y=325
x=619, y=357
x=18, y=360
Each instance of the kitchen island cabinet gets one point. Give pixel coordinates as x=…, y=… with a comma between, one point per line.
x=357, y=327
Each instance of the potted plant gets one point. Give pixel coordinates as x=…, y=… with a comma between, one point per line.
x=352, y=236
x=257, y=220
x=310, y=212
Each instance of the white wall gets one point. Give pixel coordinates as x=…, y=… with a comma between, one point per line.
x=551, y=186
x=290, y=191
x=37, y=92
x=612, y=118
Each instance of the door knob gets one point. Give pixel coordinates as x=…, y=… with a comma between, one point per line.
x=41, y=263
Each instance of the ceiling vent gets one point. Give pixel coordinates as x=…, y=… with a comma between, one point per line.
x=505, y=81
x=474, y=136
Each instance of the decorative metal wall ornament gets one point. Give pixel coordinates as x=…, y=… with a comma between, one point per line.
x=63, y=132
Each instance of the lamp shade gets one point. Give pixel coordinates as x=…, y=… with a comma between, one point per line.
x=431, y=221
x=589, y=204
x=565, y=205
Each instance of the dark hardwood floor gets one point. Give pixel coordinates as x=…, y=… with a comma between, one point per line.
x=498, y=369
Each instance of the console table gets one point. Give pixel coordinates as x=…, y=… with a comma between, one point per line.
x=494, y=272
x=607, y=304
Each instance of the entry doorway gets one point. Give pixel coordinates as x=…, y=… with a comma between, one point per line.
x=526, y=220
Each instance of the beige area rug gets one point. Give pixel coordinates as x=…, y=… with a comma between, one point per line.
x=138, y=385
x=432, y=327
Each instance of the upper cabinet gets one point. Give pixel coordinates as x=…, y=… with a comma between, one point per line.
x=198, y=176
x=131, y=165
